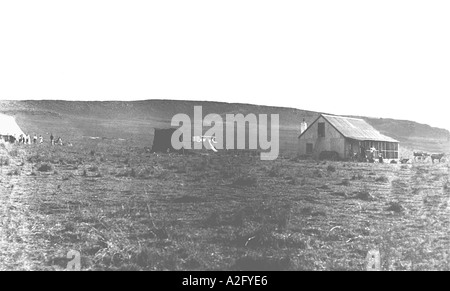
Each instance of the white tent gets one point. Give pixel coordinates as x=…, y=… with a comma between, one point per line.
x=9, y=126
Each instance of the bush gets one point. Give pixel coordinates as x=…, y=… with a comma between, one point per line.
x=4, y=161
x=44, y=167
x=331, y=168
x=292, y=180
x=275, y=171
x=93, y=169
x=395, y=206
x=345, y=182
x=317, y=173
x=14, y=172
x=357, y=177
x=382, y=179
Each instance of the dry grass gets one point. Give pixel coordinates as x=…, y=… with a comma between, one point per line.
x=123, y=208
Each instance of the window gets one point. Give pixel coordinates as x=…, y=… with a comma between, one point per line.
x=309, y=148
x=321, y=129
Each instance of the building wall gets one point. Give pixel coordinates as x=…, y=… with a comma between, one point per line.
x=333, y=140
x=351, y=146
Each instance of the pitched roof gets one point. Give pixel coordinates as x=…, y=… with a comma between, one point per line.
x=355, y=128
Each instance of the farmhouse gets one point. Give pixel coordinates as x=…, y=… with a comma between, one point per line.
x=347, y=137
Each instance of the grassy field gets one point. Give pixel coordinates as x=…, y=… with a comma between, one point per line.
x=124, y=208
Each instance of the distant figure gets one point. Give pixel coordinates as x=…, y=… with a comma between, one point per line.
x=51, y=138
x=372, y=153
x=60, y=141
x=35, y=139
x=41, y=139
x=380, y=158
x=362, y=153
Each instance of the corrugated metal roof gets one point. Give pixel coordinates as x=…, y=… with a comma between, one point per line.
x=356, y=128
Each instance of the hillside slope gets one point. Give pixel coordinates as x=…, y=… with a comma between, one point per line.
x=136, y=120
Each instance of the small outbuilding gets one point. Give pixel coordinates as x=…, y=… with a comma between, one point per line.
x=346, y=136
x=162, y=140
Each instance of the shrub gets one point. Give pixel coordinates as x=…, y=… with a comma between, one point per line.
x=14, y=172
x=44, y=167
x=331, y=168
x=357, y=177
x=382, y=179
x=275, y=171
x=292, y=180
x=93, y=169
x=317, y=173
x=345, y=182
x=395, y=206
x=4, y=161
x=363, y=195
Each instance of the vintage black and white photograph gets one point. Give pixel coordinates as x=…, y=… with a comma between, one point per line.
x=224, y=136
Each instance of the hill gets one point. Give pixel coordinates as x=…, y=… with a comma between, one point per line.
x=135, y=120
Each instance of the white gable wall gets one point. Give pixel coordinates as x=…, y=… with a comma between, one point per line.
x=333, y=140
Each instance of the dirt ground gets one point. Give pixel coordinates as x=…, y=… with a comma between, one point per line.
x=124, y=208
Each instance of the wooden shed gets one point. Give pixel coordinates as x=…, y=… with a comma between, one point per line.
x=345, y=136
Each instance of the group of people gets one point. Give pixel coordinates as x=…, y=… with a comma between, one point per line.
x=367, y=156
x=54, y=141
x=27, y=139
x=34, y=139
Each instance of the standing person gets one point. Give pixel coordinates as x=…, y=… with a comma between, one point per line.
x=41, y=139
x=51, y=138
x=35, y=139
x=362, y=154
x=380, y=158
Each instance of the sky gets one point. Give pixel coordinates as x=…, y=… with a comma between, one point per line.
x=371, y=58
